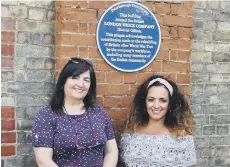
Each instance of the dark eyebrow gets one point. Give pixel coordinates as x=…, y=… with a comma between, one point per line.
x=164, y=98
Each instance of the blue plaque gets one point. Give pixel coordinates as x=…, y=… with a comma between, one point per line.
x=128, y=36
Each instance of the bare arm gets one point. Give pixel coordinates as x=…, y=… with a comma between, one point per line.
x=44, y=156
x=111, y=154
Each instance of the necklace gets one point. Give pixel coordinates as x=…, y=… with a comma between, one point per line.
x=95, y=140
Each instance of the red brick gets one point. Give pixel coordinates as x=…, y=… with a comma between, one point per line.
x=114, y=77
x=8, y=24
x=60, y=63
x=76, y=14
x=176, y=67
x=181, y=10
x=83, y=28
x=110, y=3
x=189, y=3
x=112, y=102
x=83, y=52
x=185, y=89
x=8, y=37
x=8, y=125
x=164, y=31
x=159, y=19
x=180, y=55
x=100, y=13
x=130, y=78
x=66, y=52
x=8, y=137
x=100, y=75
x=7, y=62
x=177, y=21
x=101, y=65
x=162, y=55
x=66, y=26
x=126, y=101
x=94, y=53
x=92, y=28
x=176, y=44
x=97, y=4
x=174, y=9
x=184, y=56
x=184, y=44
x=133, y=89
x=112, y=89
x=7, y=112
x=168, y=44
x=100, y=100
x=185, y=32
x=174, y=32
x=174, y=55
x=162, y=8
x=7, y=50
x=185, y=10
x=117, y=113
x=76, y=39
x=75, y=4
x=154, y=66
x=170, y=76
x=148, y=4
x=183, y=78
x=141, y=77
x=7, y=150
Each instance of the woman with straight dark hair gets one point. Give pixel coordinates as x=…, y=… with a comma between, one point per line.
x=159, y=129
x=73, y=130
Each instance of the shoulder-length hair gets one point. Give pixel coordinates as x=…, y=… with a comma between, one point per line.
x=72, y=69
x=179, y=118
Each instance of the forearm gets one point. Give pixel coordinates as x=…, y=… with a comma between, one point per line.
x=110, y=160
x=46, y=163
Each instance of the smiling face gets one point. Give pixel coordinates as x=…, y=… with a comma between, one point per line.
x=77, y=87
x=157, y=102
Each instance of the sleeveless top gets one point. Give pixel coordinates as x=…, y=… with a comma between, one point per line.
x=144, y=150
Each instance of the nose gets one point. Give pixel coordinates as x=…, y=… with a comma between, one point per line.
x=156, y=104
x=80, y=83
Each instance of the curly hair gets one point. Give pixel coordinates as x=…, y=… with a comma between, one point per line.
x=179, y=118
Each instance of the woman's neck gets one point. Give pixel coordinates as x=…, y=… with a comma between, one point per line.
x=154, y=127
x=74, y=107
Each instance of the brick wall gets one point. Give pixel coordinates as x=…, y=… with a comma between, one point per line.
x=8, y=133
x=75, y=36
x=27, y=51
x=210, y=71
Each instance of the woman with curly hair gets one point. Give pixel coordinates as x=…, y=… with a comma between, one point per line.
x=159, y=129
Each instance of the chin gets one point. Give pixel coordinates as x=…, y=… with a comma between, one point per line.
x=79, y=97
x=156, y=117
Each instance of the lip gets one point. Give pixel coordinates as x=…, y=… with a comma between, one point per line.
x=78, y=90
x=156, y=111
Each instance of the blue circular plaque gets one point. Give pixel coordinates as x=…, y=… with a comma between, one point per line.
x=128, y=36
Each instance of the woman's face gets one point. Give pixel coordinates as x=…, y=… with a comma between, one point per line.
x=77, y=87
x=157, y=102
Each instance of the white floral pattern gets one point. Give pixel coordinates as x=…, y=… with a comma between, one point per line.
x=143, y=150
